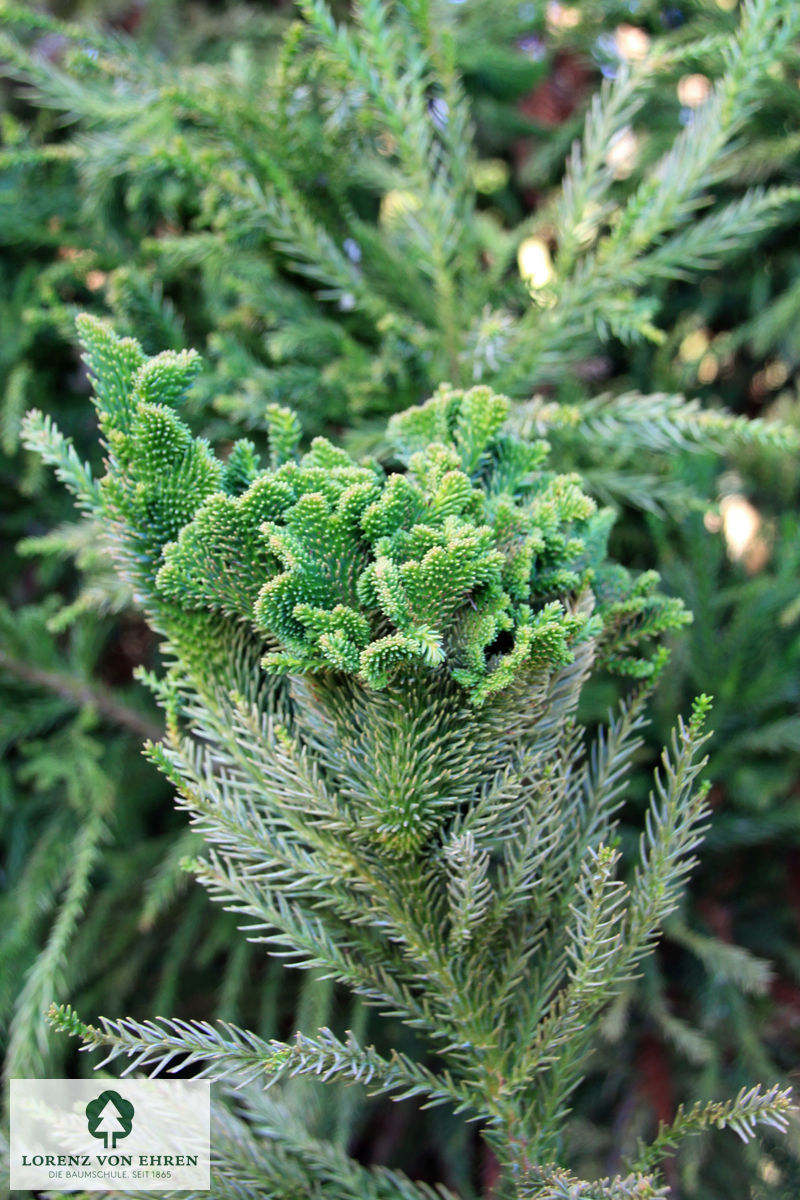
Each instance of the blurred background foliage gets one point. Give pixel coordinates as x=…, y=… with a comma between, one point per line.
x=132, y=144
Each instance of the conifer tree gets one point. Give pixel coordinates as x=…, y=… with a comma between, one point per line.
x=371, y=711
x=184, y=258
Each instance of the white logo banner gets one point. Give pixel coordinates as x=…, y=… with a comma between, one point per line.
x=110, y=1135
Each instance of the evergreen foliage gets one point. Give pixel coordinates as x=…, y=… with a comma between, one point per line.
x=92, y=856
x=325, y=196
x=440, y=841
x=215, y=181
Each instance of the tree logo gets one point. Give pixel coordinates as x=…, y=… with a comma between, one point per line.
x=109, y=1117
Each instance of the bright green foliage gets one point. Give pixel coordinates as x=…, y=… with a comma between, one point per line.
x=265, y=202
x=353, y=570
x=325, y=192
x=627, y=447
x=433, y=832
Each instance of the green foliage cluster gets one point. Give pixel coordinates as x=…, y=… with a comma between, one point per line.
x=444, y=850
x=346, y=567
x=333, y=212
x=342, y=159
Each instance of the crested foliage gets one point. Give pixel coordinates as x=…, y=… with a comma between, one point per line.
x=348, y=567
x=428, y=827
